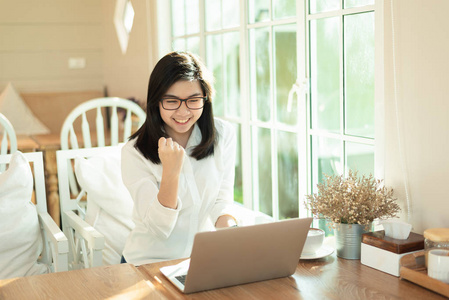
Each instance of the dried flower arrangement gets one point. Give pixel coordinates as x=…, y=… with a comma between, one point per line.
x=352, y=200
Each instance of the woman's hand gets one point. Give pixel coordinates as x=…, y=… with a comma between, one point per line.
x=226, y=221
x=171, y=155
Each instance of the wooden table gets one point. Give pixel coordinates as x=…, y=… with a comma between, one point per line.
x=325, y=278
x=107, y=282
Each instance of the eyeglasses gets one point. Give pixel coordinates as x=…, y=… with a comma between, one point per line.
x=173, y=103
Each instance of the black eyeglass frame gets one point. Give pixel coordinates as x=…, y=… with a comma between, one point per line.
x=183, y=100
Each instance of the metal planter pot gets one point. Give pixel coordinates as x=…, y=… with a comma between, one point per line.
x=349, y=240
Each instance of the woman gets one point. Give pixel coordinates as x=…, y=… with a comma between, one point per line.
x=179, y=166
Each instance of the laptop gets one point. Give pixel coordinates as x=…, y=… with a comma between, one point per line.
x=239, y=255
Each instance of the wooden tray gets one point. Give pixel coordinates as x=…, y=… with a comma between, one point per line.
x=413, y=268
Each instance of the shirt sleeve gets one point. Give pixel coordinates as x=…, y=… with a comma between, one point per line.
x=226, y=152
x=140, y=177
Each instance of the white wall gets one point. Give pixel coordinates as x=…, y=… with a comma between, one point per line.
x=421, y=31
x=37, y=38
x=126, y=75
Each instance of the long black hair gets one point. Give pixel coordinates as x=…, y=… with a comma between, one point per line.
x=171, y=68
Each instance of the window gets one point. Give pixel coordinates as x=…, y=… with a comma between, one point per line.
x=297, y=80
x=341, y=72
x=123, y=21
x=273, y=121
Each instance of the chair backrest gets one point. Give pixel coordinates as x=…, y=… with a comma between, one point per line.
x=65, y=164
x=108, y=106
x=8, y=139
x=73, y=205
x=55, y=244
x=37, y=161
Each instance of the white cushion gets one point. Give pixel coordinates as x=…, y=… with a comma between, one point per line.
x=109, y=204
x=19, y=114
x=20, y=236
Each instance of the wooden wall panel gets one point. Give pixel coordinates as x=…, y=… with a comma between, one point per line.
x=37, y=39
x=45, y=37
x=57, y=85
x=50, y=11
x=48, y=64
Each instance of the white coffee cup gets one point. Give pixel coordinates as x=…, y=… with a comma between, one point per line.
x=438, y=264
x=314, y=241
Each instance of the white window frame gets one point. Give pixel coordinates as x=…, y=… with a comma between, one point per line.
x=303, y=128
x=341, y=135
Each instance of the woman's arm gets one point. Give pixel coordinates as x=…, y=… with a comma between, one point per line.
x=143, y=179
x=171, y=155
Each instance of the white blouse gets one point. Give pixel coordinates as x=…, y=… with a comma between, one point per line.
x=206, y=191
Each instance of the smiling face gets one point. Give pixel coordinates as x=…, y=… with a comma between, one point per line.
x=179, y=123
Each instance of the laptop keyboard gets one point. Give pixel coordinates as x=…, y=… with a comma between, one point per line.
x=181, y=278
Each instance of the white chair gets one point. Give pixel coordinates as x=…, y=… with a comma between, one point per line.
x=86, y=244
x=8, y=139
x=68, y=132
x=55, y=243
x=99, y=106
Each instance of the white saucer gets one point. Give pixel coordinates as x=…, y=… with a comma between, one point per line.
x=320, y=253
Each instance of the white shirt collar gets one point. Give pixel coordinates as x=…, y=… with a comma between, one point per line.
x=195, y=137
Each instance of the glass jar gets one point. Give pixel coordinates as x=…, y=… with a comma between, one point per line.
x=436, y=238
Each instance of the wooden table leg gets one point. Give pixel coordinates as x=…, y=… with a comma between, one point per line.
x=51, y=175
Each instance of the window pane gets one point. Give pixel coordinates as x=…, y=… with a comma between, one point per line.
x=288, y=175
x=231, y=47
x=193, y=44
x=213, y=15
x=284, y=8
x=359, y=157
x=318, y=6
x=179, y=45
x=259, y=10
x=326, y=153
x=285, y=72
x=357, y=3
x=231, y=13
x=260, y=74
x=238, y=182
x=359, y=74
x=215, y=65
x=128, y=17
x=177, y=15
x=325, y=74
x=261, y=138
x=192, y=16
